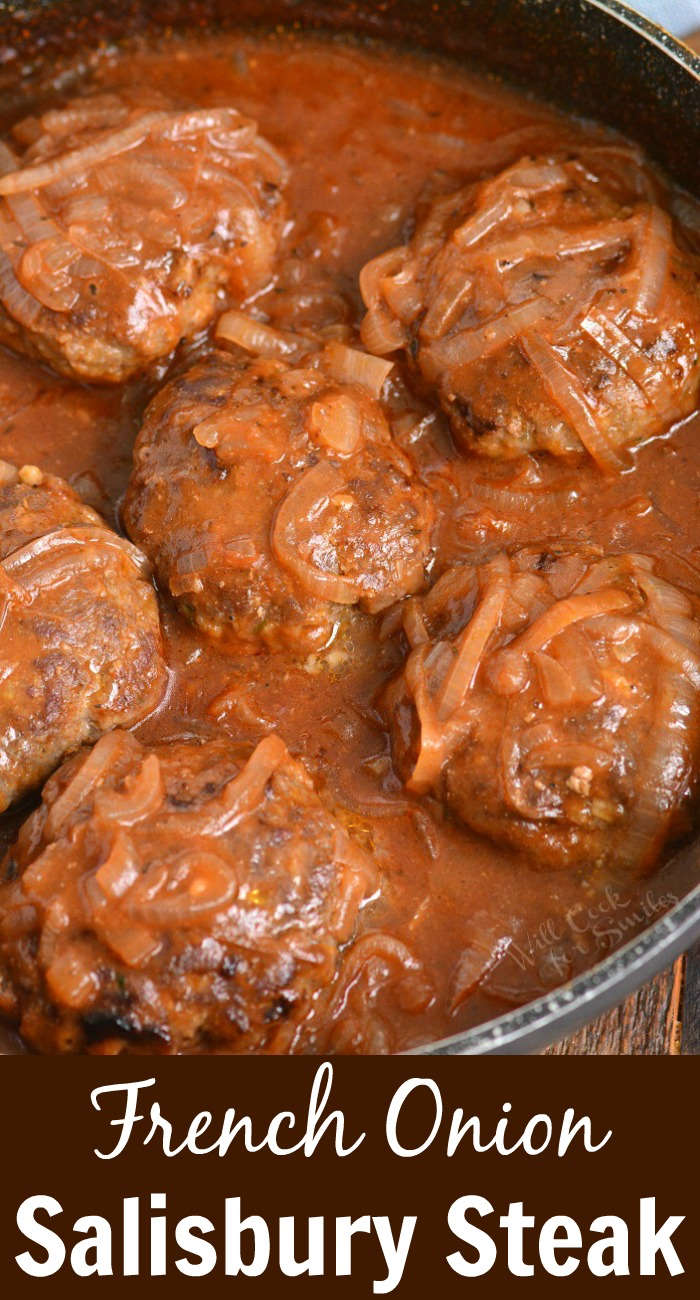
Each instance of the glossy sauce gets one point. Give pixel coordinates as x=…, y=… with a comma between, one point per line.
x=364, y=130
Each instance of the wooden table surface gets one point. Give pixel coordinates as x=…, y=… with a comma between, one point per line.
x=663, y=1018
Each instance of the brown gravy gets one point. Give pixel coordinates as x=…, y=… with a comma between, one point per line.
x=363, y=129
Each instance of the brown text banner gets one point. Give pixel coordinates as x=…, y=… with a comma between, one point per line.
x=255, y=1176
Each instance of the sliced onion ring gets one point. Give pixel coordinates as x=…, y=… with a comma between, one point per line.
x=305, y=501
x=568, y=395
x=259, y=339
x=350, y=366
x=240, y=796
x=78, y=160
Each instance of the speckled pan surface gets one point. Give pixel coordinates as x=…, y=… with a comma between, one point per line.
x=593, y=56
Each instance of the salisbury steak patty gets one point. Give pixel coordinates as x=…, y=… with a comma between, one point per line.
x=178, y=897
x=80, y=642
x=552, y=699
x=269, y=493
x=126, y=223
x=549, y=307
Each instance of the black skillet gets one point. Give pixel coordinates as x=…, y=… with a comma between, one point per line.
x=593, y=56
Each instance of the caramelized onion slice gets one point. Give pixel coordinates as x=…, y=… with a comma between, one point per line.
x=375, y=272
x=471, y=345
x=612, y=340
x=573, y=651
x=671, y=608
x=108, y=751
x=377, y=959
x=653, y=257
x=403, y=295
x=8, y=159
x=245, y=431
x=573, y=609
x=335, y=420
x=558, y=242
x=240, y=796
x=79, y=160
x=537, y=177
x=414, y=624
x=555, y=680
x=261, y=340
x=183, y=891
x=381, y=333
x=470, y=649
x=142, y=796
x=447, y=305
x=508, y=669
x=663, y=769
x=44, y=875
x=45, y=561
x=19, y=304
x=566, y=392
x=132, y=943
x=45, y=270
x=435, y=736
x=477, y=961
x=350, y=366
x=120, y=870
x=549, y=750
x=512, y=777
x=482, y=223
x=303, y=504
x=72, y=979
x=675, y=654
x=36, y=226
